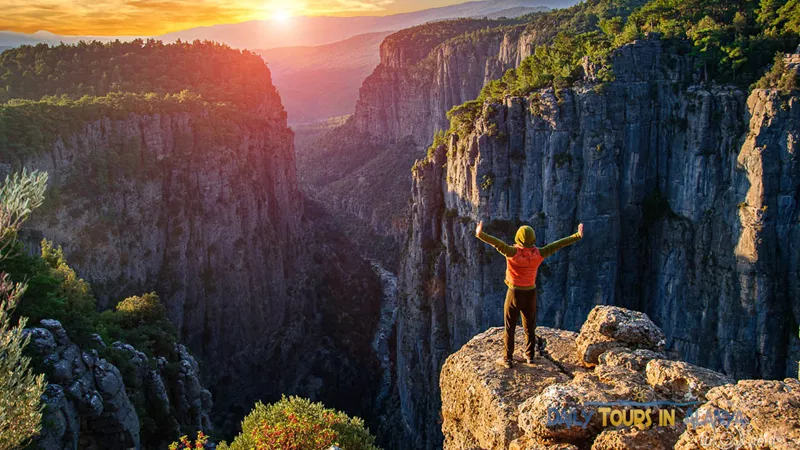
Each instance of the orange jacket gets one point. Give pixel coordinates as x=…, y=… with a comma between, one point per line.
x=524, y=258
x=521, y=268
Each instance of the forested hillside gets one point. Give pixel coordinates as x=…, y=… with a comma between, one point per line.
x=172, y=171
x=52, y=91
x=216, y=72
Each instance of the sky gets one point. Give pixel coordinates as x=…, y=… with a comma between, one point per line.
x=156, y=17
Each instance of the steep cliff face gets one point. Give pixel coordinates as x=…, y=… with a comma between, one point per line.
x=689, y=198
x=360, y=169
x=204, y=209
x=410, y=92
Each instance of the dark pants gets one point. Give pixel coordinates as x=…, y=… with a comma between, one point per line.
x=520, y=302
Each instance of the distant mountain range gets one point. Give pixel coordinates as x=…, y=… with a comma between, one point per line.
x=319, y=30
x=319, y=82
x=309, y=30
x=10, y=39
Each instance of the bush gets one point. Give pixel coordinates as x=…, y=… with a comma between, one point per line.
x=136, y=310
x=185, y=444
x=295, y=423
x=141, y=322
x=780, y=77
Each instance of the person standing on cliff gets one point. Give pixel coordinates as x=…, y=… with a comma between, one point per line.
x=522, y=263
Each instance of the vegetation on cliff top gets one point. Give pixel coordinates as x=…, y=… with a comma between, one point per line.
x=50, y=92
x=32, y=126
x=416, y=43
x=213, y=71
x=730, y=43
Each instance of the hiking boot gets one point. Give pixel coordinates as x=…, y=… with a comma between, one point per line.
x=508, y=364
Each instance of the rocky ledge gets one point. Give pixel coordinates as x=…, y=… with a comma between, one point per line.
x=609, y=387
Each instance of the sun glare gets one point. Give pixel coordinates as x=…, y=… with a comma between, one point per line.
x=282, y=15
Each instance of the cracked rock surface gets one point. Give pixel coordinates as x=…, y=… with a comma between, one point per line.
x=555, y=403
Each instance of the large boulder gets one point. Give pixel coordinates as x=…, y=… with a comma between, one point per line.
x=528, y=443
x=570, y=412
x=682, y=381
x=560, y=411
x=630, y=359
x=758, y=414
x=610, y=327
x=87, y=401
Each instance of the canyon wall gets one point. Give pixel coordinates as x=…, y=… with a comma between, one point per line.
x=689, y=195
x=410, y=92
x=204, y=209
x=361, y=168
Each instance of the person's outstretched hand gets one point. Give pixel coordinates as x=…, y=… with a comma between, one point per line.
x=479, y=228
x=580, y=230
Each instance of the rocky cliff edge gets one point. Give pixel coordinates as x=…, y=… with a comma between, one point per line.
x=607, y=387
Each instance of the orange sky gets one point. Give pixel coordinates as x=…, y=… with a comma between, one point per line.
x=155, y=17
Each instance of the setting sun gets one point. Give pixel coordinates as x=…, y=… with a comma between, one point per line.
x=282, y=15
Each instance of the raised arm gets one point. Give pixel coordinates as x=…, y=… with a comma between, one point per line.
x=550, y=249
x=505, y=249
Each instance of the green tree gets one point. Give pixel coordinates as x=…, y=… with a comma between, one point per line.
x=768, y=11
x=788, y=17
x=707, y=36
x=295, y=423
x=20, y=389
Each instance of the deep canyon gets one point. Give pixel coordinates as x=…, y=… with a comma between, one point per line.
x=344, y=268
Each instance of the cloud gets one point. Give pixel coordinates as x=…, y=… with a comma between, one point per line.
x=123, y=17
x=155, y=17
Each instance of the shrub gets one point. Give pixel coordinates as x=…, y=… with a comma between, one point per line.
x=654, y=208
x=137, y=310
x=185, y=444
x=20, y=194
x=141, y=321
x=779, y=77
x=295, y=423
x=562, y=159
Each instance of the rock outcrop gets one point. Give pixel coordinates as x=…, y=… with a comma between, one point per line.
x=689, y=195
x=90, y=404
x=622, y=403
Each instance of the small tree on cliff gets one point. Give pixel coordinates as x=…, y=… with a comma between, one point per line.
x=20, y=389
